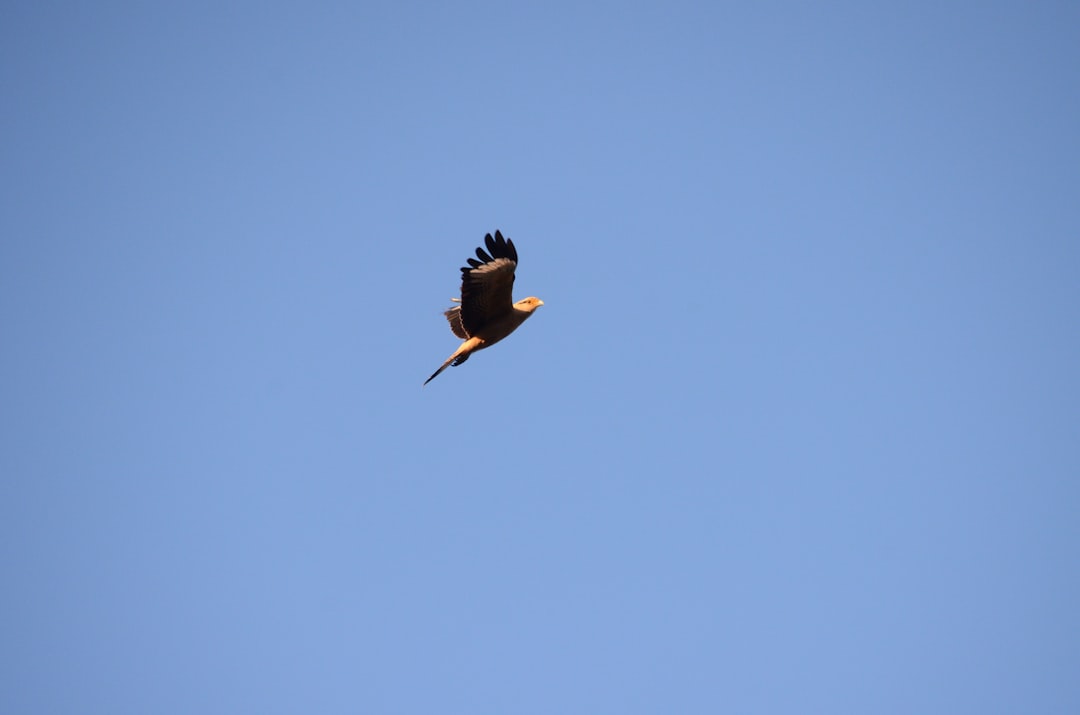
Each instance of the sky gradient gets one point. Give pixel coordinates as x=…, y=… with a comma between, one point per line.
x=797, y=429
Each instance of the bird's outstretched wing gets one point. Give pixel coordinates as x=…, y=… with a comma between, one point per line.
x=487, y=287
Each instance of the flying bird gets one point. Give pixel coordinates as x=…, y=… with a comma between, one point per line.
x=487, y=312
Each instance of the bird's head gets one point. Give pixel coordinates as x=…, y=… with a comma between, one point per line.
x=528, y=304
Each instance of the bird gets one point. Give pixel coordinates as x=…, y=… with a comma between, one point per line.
x=486, y=312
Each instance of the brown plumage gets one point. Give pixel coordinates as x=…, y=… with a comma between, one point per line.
x=487, y=313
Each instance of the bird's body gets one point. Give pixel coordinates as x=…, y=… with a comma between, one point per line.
x=487, y=313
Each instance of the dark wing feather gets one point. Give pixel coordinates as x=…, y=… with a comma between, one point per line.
x=500, y=247
x=487, y=288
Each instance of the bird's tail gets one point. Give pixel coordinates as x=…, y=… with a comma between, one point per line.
x=441, y=368
x=460, y=355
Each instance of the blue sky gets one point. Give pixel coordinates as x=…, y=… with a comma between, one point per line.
x=797, y=429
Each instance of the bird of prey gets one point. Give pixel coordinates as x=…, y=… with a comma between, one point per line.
x=487, y=312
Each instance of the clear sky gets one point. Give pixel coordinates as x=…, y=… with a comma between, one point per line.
x=797, y=430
